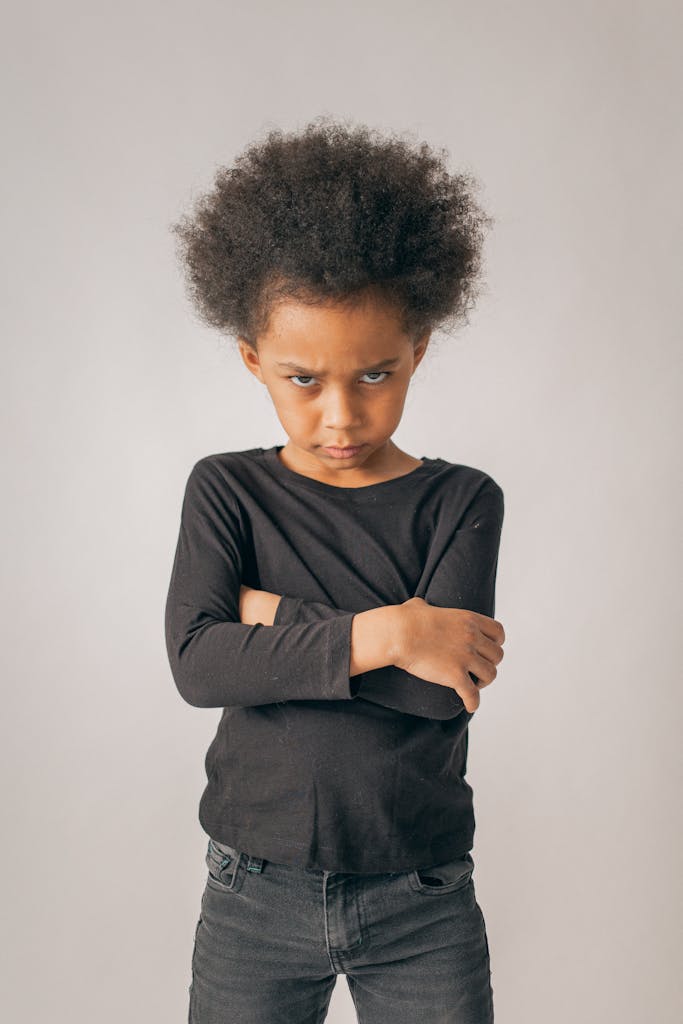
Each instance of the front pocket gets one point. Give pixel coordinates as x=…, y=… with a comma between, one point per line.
x=441, y=879
x=223, y=863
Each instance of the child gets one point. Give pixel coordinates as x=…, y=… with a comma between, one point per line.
x=335, y=595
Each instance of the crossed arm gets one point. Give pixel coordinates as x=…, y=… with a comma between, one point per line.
x=463, y=577
x=219, y=658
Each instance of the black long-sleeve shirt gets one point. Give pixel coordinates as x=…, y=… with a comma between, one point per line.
x=309, y=766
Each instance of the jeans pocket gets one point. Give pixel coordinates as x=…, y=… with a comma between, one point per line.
x=223, y=863
x=441, y=879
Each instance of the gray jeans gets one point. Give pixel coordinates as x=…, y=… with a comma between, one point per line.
x=272, y=938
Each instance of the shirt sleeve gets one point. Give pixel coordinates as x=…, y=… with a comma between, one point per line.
x=218, y=661
x=464, y=576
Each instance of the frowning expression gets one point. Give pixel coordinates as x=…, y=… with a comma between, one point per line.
x=338, y=376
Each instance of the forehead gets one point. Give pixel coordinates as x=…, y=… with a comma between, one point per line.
x=333, y=335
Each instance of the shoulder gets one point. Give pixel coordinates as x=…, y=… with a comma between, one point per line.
x=468, y=498
x=470, y=483
x=218, y=477
x=227, y=464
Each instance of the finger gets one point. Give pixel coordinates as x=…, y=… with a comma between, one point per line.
x=484, y=670
x=468, y=692
x=491, y=628
x=490, y=650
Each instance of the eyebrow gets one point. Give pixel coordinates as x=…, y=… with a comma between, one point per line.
x=368, y=369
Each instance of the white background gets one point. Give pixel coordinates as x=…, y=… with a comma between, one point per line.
x=565, y=387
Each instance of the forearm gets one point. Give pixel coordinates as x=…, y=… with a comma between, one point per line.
x=376, y=638
x=376, y=634
x=387, y=685
x=225, y=663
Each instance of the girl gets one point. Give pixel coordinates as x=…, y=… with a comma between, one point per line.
x=335, y=595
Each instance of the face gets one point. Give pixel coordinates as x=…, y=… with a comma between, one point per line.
x=338, y=376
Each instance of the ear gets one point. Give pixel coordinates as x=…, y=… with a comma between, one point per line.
x=250, y=358
x=420, y=347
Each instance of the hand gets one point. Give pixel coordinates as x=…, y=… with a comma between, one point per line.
x=258, y=606
x=443, y=645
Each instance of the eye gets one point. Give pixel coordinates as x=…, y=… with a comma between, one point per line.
x=377, y=373
x=371, y=373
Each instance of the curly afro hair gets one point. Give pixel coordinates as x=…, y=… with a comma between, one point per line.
x=333, y=214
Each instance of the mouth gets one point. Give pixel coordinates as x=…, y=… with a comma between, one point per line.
x=343, y=453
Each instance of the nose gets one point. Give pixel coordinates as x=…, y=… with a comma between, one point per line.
x=341, y=411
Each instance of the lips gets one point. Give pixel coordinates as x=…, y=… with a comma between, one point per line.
x=343, y=453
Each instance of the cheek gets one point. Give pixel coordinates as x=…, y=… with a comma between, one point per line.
x=294, y=406
x=391, y=399
x=285, y=394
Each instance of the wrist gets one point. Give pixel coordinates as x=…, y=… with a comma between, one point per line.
x=398, y=626
x=377, y=638
x=258, y=606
